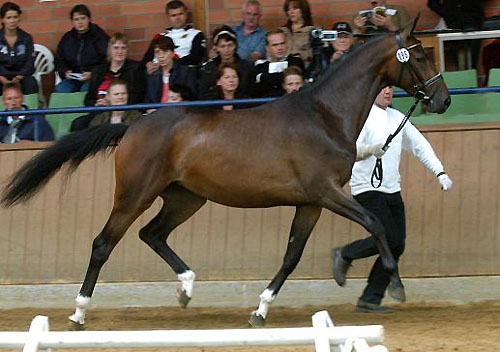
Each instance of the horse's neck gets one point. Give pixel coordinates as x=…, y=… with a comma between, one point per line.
x=348, y=92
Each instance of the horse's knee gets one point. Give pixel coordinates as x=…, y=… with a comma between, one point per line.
x=101, y=249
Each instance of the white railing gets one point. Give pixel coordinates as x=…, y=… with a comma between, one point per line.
x=324, y=335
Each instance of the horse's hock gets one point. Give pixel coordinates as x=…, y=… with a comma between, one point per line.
x=49, y=240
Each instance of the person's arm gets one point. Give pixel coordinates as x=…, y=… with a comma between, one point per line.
x=60, y=59
x=45, y=133
x=197, y=53
x=29, y=64
x=415, y=143
x=364, y=151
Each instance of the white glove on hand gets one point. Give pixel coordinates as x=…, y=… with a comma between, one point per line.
x=445, y=182
x=365, y=151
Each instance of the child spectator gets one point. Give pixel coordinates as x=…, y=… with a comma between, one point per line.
x=81, y=50
x=293, y=79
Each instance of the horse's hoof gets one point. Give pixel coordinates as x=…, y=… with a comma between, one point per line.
x=183, y=298
x=74, y=326
x=256, y=320
x=397, y=291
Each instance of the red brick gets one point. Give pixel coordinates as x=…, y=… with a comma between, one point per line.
x=219, y=16
x=118, y=22
x=106, y=10
x=38, y=14
x=61, y=13
x=135, y=34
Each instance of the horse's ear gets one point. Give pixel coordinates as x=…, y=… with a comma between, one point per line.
x=415, y=23
x=410, y=27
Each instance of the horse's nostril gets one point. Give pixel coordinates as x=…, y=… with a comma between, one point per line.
x=447, y=102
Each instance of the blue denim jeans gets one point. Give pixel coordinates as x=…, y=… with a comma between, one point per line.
x=71, y=86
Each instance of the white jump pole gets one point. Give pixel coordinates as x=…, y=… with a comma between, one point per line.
x=322, y=336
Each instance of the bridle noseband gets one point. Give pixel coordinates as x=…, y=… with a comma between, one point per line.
x=403, y=56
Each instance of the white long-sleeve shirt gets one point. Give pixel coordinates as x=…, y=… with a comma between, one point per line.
x=378, y=126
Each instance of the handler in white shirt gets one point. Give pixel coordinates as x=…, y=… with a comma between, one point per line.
x=384, y=202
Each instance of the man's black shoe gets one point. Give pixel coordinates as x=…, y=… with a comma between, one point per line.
x=339, y=266
x=366, y=307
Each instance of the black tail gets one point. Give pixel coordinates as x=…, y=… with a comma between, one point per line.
x=75, y=148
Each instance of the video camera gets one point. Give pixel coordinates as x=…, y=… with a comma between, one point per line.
x=319, y=35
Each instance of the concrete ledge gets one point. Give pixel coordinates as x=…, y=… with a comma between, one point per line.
x=245, y=293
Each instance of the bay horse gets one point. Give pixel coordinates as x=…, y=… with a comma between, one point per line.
x=295, y=151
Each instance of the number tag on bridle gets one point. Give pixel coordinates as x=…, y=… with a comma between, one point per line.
x=403, y=55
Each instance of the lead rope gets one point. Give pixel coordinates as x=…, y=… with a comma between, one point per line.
x=378, y=172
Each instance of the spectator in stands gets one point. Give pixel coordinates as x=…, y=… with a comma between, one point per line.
x=21, y=128
x=269, y=72
x=227, y=86
x=117, y=66
x=293, y=79
x=80, y=51
x=298, y=28
x=491, y=57
x=117, y=94
x=169, y=71
x=344, y=42
x=251, y=37
x=189, y=42
x=224, y=40
x=16, y=51
x=459, y=14
x=179, y=92
x=380, y=17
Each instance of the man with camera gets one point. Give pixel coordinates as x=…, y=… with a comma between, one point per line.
x=269, y=72
x=342, y=45
x=380, y=18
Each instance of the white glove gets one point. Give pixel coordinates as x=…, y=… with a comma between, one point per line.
x=365, y=151
x=445, y=182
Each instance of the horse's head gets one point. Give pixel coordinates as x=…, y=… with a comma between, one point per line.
x=415, y=73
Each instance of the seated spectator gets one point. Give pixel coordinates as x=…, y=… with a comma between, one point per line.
x=380, y=17
x=491, y=57
x=343, y=44
x=21, y=128
x=251, y=37
x=224, y=40
x=293, y=79
x=179, y=92
x=298, y=28
x=16, y=51
x=459, y=14
x=269, y=73
x=117, y=94
x=117, y=66
x=189, y=42
x=169, y=71
x=80, y=51
x=227, y=86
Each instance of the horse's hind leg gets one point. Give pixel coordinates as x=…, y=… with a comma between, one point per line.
x=179, y=204
x=127, y=207
x=343, y=204
x=303, y=223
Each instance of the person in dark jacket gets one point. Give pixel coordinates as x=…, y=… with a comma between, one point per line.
x=459, y=14
x=117, y=66
x=21, y=128
x=169, y=72
x=80, y=51
x=269, y=73
x=16, y=51
x=226, y=45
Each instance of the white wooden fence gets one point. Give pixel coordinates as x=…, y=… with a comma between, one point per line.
x=324, y=335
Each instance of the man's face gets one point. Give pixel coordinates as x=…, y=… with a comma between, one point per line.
x=177, y=17
x=375, y=3
x=12, y=99
x=384, y=98
x=251, y=16
x=277, y=46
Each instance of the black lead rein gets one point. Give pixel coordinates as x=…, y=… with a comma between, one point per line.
x=378, y=173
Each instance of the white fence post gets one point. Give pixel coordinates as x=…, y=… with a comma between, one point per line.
x=39, y=325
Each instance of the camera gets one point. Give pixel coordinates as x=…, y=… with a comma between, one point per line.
x=320, y=35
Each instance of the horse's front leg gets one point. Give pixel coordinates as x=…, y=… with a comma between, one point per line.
x=303, y=223
x=343, y=204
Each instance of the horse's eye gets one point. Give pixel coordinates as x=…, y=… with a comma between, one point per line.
x=420, y=59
